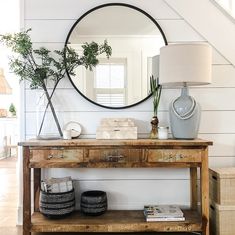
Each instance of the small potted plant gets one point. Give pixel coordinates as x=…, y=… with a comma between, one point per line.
x=156, y=90
x=12, y=110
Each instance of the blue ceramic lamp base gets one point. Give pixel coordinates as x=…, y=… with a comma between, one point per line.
x=184, y=116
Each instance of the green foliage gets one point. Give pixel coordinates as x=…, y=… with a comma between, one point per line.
x=39, y=65
x=156, y=90
x=92, y=50
x=12, y=109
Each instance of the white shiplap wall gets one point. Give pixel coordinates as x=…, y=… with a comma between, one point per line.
x=132, y=188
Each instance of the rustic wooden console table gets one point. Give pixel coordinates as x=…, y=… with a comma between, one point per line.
x=84, y=153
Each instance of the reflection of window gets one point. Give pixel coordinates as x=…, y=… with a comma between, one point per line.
x=110, y=82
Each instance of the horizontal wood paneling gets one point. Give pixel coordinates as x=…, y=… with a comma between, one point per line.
x=72, y=9
x=121, y=174
x=209, y=98
x=89, y=124
x=132, y=188
x=223, y=161
x=217, y=59
x=223, y=144
x=209, y=22
x=175, y=30
x=70, y=100
x=222, y=75
x=212, y=122
x=217, y=122
x=142, y=192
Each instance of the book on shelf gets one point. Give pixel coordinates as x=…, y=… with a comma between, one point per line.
x=163, y=213
x=165, y=219
x=57, y=185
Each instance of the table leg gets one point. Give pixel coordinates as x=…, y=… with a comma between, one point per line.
x=37, y=181
x=26, y=192
x=205, y=192
x=193, y=182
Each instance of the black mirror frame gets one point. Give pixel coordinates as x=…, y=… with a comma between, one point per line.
x=88, y=12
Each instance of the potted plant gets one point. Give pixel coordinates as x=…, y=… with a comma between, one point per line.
x=156, y=90
x=41, y=66
x=12, y=110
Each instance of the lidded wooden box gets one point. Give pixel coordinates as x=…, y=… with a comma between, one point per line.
x=116, y=128
x=222, y=219
x=222, y=186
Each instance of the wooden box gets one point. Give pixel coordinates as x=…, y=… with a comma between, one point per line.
x=117, y=122
x=116, y=128
x=3, y=113
x=116, y=133
x=222, y=219
x=222, y=186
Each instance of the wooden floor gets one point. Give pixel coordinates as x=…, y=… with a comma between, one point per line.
x=8, y=196
x=9, y=199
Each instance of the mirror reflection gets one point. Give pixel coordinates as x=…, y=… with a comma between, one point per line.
x=135, y=39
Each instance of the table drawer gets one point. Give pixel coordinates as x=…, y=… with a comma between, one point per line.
x=173, y=155
x=57, y=155
x=115, y=155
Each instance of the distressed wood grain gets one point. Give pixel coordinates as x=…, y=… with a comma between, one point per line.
x=115, y=221
x=90, y=153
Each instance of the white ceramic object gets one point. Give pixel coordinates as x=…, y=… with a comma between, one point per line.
x=74, y=127
x=67, y=134
x=163, y=132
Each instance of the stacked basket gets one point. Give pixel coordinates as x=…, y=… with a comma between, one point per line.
x=222, y=201
x=56, y=204
x=93, y=202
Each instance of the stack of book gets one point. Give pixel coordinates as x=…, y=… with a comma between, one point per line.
x=57, y=185
x=163, y=213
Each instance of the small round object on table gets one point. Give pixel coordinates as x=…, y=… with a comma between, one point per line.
x=75, y=128
x=93, y=202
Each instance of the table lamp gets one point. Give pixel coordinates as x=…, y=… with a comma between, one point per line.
x=183, y=65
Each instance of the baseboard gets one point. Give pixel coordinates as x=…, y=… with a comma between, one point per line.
x=19, y=215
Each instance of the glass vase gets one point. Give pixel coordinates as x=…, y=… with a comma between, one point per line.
x=49, y=120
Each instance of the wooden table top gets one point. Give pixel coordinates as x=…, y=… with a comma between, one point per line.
x=95, y=142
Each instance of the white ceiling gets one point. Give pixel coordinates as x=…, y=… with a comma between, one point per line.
x=115, y=20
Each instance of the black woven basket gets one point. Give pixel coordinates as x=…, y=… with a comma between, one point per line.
x=57, y=205
x=93, y=202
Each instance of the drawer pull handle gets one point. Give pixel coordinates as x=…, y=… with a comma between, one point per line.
x=50, y=156
x=212, y=207
x=114, y=158
x=179, y=156
x=214, y=177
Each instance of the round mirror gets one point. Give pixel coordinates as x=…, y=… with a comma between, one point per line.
x=123, y=80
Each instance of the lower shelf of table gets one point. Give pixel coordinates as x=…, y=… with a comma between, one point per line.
x=114, y=221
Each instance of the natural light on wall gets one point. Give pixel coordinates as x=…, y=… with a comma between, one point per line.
x=9, y=92
x=228, y=6
x=9, y=23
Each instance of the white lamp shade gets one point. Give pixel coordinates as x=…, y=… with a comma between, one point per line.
x=185, y=63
